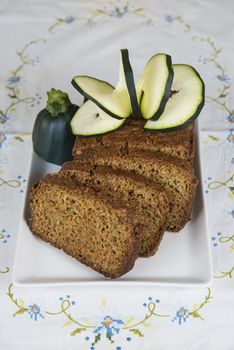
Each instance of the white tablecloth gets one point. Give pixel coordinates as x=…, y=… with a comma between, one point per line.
x=43, y=45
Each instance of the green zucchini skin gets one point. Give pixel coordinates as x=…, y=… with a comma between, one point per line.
x=88, y=97
x=167, y=91
x=52, y=136
x=129, y=78
x=192, y=118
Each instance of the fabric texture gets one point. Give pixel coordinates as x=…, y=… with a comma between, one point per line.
x=43, y=45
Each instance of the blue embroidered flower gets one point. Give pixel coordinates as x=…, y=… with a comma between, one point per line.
x=181, y=315
x=169, y=18
x=2, y=138
x=3, y=117
x=215, y=239
x=119, y=12
x=109, y=326
x=70, y=19
x=67, y=299
x=35, y=312
x=13, y=80
x=232, y=213
x=223, y=77
x=230, y=118
x=230, y=137
x=4, y=236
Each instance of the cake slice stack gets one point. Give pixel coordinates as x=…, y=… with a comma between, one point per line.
x=153, y=158
x=113, y=202
x=148, y=199
x=103, y=234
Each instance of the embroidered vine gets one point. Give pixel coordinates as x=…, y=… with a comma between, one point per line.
x=5, y=270
x=108, y=326
x=13, y=82
x=224, y=274
x=224, y=90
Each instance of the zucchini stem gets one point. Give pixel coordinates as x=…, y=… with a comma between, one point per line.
x=58, y=102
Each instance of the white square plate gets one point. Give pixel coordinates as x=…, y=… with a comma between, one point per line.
x=182, y=259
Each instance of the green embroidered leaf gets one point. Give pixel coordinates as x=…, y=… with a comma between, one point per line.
x=195, y=314
x=87, y=321
x=21, y=302
x=214, y=138
x=77, y=331
x=20, y=311
x=223, y=95
x=146, y=324
x=129, y=321
x=137, y=332
x=18, y=138
x=109, y=338
x=68, y=323
x=97, y=339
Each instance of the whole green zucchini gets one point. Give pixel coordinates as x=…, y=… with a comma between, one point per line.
x=52, y=136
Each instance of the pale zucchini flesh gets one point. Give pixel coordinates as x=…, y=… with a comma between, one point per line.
x=90, y=120
x=154, y=86
x=113, y=101
x=185, y=103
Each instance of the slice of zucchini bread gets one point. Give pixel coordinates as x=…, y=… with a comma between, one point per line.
x=172, y=174
x=148, y=199
x=132, y=136
x=89, y=226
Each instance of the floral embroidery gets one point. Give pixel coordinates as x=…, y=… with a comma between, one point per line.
x=223, y=90
x=4, y=236
x=215, y=239
x=60, y=21
x=35, y=312
x=227, y=274
x=205, y=182
x=214, y=185
x=230, y=136
x=117, y=9
x=2, y=138
x=5, y=270
x=109, y=326
x=181, y=315
x=13, y=85
x=13, y=183
x=179, y=19
x=220, y=238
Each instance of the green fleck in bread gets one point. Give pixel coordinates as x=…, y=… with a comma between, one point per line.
x=132, y=136
x=101, y=234
x=149, y=200
x=172, y=174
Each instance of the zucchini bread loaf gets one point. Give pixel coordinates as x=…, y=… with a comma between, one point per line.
x=149, y=199
x=132, y=136
x=87, y=225
x=174, y=175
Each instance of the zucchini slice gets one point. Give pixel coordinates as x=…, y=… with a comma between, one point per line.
x=186, y=101
x=113, y=101
x=154, y=86
x=91, y=120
